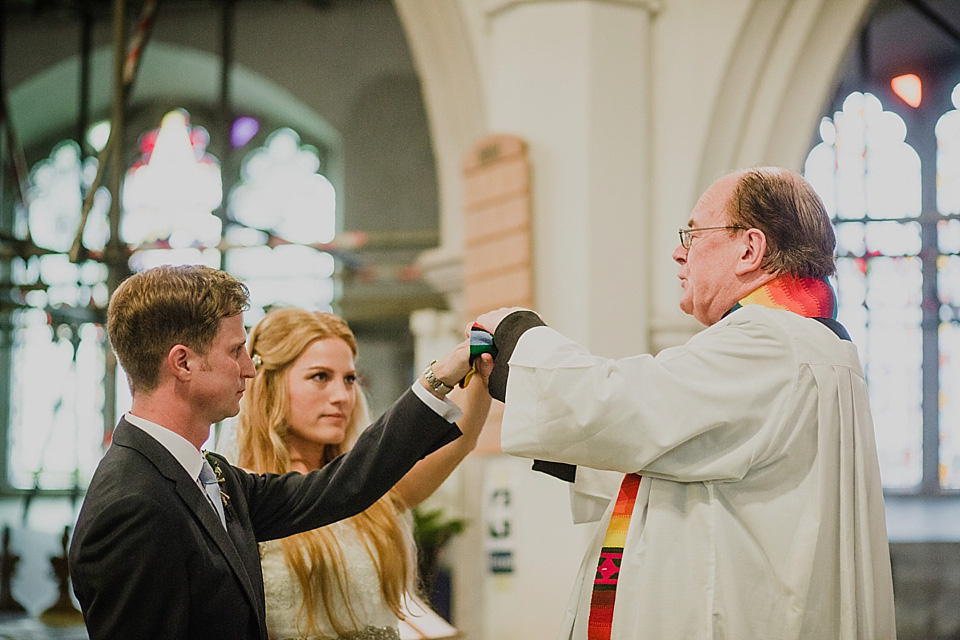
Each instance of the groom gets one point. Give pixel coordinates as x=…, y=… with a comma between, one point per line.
x=152, y=555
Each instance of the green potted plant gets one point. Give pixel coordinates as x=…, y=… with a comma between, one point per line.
x=432, y=531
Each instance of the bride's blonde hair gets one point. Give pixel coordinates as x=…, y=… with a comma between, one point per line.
x=315, y=556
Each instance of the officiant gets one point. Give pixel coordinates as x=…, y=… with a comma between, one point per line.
x=747, y=500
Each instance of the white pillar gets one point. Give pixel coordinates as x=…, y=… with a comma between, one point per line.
x=572, y=78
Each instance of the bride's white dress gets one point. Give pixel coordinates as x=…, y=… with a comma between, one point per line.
x=283, y=595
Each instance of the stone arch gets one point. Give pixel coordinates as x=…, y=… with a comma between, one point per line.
x=36, y=116
x=778, y=78
x=440, y=42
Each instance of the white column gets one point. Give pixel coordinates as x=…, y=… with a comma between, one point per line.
x=572, y=78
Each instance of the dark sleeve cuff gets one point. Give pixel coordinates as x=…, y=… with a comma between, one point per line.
x=562, y=470
x=505, y=339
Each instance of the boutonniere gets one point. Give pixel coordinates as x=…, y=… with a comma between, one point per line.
x=224, y=498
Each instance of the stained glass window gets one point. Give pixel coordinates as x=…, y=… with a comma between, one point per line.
x=56, y=404
x=283, y=199
x=282, y=206
x=870, y=181
x=170, y=193
x=948, y=289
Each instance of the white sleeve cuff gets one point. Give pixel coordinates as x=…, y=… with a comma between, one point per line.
x=537, y=344
x=445, y=408
x=592, y=492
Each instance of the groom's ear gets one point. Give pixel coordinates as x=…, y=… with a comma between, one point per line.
x=181, y=362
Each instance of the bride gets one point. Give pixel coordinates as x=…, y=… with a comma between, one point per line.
x=348, y=580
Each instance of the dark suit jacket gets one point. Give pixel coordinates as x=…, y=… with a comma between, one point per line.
x=150, y=558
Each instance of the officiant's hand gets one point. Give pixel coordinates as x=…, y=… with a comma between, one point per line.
x=491, y=319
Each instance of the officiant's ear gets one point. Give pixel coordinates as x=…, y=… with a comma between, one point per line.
x=753, y=248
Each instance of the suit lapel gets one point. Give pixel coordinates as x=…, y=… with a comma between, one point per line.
x=208, y=518
x=127, y=435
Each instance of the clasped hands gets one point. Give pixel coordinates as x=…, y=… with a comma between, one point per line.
x=454, y=367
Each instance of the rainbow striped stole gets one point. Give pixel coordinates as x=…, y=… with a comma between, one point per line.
x=600, y=622
x=808, y=297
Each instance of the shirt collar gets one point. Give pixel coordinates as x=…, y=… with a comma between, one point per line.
x=178, y=446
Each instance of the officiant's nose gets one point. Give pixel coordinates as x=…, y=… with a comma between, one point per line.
x=680, y=255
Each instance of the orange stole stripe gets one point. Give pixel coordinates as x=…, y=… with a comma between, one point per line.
x=808, y=297
x=600, y=623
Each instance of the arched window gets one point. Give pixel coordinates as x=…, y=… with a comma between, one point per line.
x=169, y=196
x=283, y=199
x=57, y=338
x=948, y=288
x=279, y=215
x=888, y=247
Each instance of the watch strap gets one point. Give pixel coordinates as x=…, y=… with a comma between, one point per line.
x=436, y=383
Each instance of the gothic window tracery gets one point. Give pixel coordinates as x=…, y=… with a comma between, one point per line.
x=869, y=178
x=281, y=206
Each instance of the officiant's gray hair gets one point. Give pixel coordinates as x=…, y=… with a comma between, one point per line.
x=792, y=217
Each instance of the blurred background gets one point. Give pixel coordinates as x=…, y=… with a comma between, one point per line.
x=410, y=164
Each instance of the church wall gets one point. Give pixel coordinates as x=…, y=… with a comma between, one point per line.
x=729, y=85
x=708, y=87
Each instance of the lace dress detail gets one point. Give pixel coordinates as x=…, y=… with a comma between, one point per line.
x=283, y=595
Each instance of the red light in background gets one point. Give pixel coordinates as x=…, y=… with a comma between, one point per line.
x=909, y=88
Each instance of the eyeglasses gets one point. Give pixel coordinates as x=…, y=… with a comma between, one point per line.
x=686, y=235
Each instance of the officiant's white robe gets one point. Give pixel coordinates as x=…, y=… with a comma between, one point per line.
x=760, y=512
